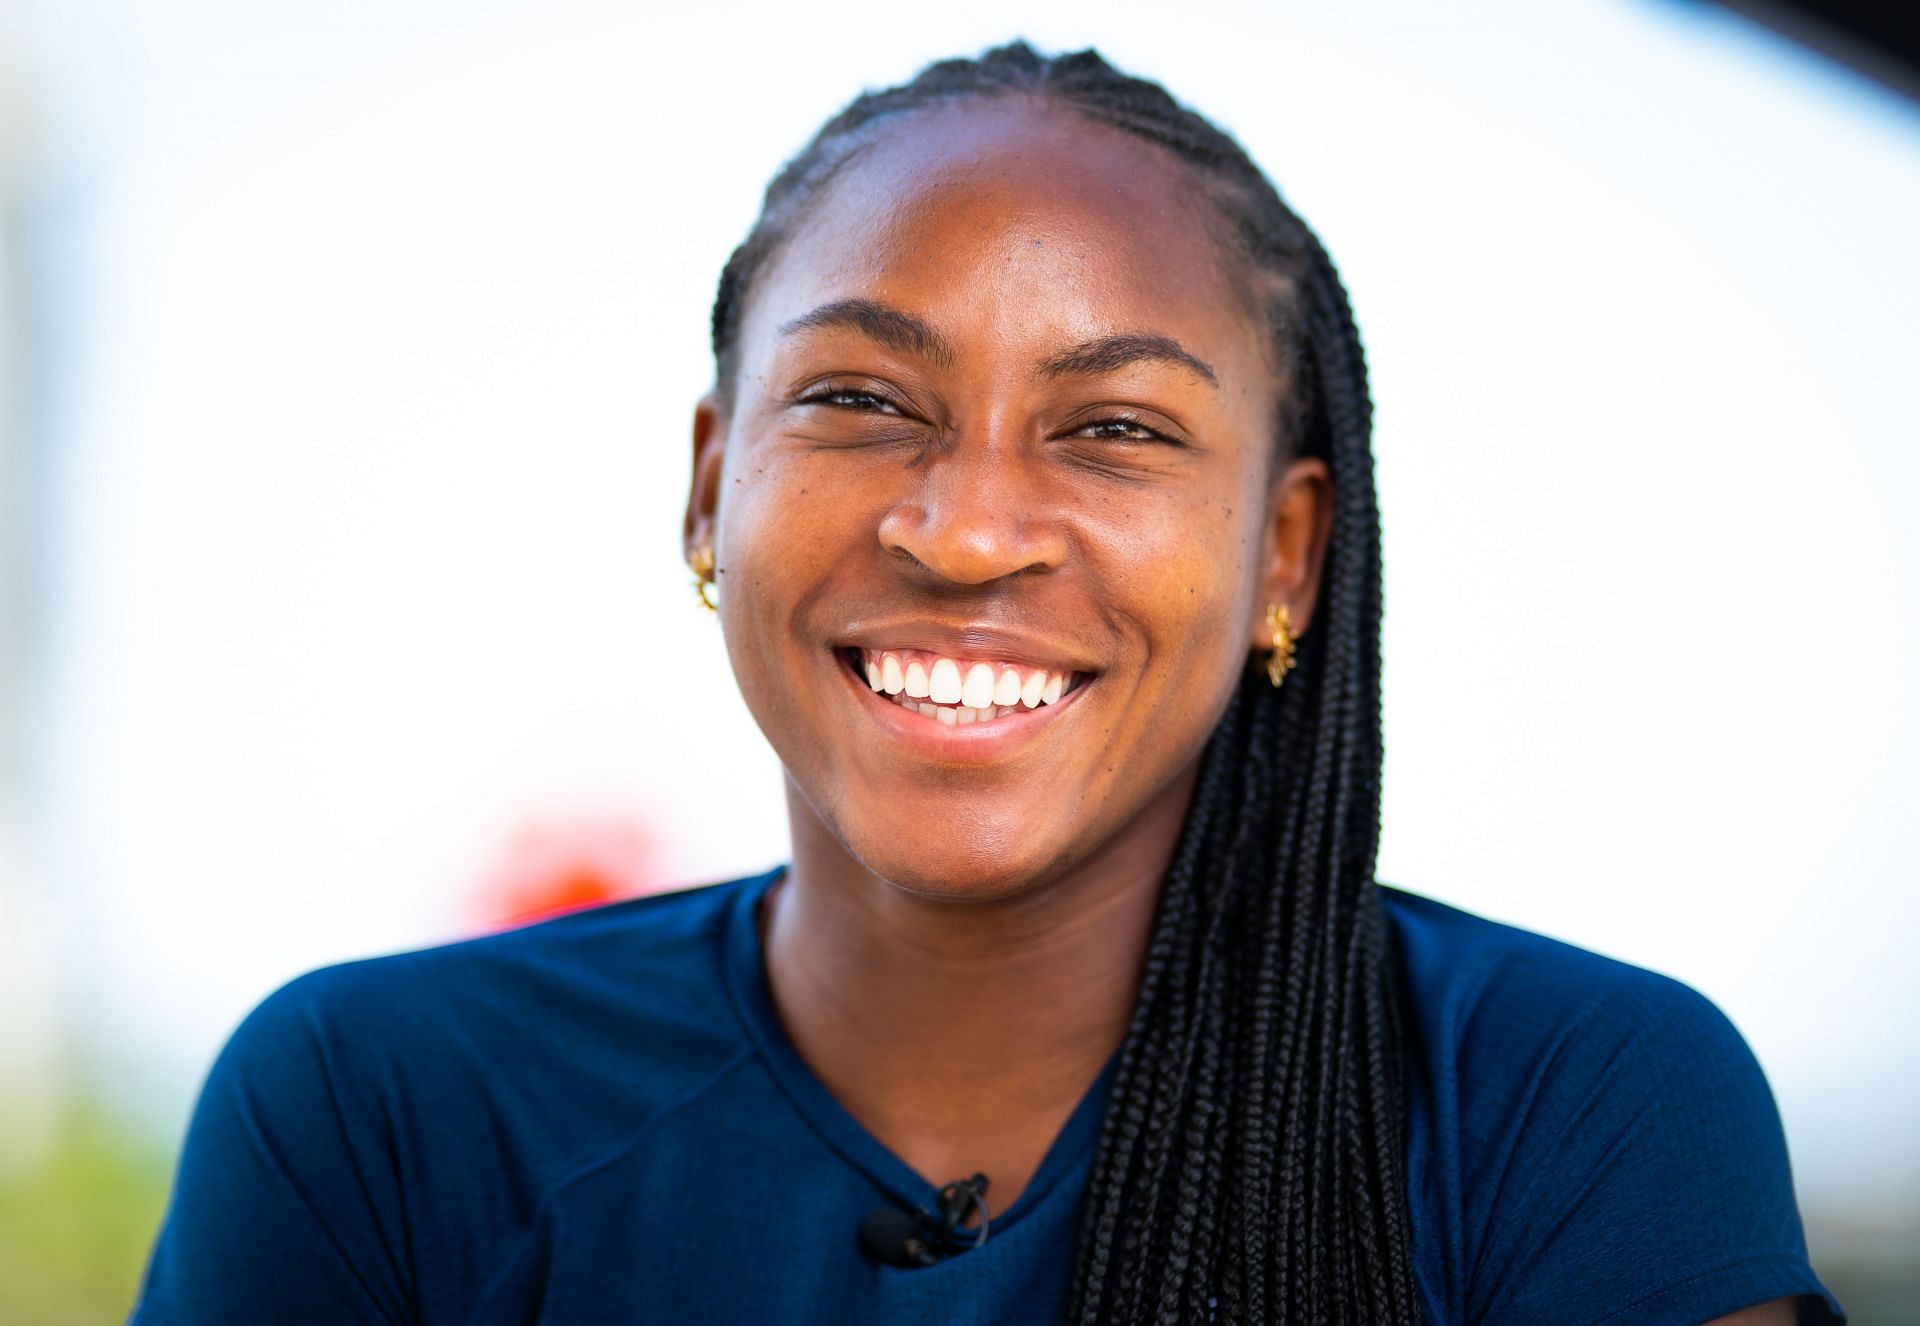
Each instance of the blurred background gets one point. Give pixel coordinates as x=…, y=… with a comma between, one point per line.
x=347, y=356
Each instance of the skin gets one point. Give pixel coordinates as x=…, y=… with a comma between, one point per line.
x=1780, y=1312
x=956, y=948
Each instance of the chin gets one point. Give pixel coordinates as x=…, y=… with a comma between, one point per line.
x=962, y=866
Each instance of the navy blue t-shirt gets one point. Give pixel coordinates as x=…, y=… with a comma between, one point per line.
x=598, y=1119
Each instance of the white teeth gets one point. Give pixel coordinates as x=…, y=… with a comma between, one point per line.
x=1007, y=689
x=978, y=692
x=1030, y=690
x=952, y=692
x=943, y=686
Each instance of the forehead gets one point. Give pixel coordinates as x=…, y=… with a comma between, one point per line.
x=1023, y=214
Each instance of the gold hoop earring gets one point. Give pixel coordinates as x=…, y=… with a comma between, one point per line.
x=703, y=583
x=1280, y=661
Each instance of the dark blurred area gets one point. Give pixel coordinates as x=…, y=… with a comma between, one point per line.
x=1879, y=40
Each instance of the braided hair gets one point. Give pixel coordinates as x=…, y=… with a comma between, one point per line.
x=1249, y=1166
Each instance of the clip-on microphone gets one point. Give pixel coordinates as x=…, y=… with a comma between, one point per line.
x=922, y=1237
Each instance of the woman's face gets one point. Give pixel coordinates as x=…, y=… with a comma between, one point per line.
x=994, y=502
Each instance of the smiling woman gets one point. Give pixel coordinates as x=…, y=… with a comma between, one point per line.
x=1036, y=485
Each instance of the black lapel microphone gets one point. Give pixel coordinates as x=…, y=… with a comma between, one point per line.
x=921, y=1237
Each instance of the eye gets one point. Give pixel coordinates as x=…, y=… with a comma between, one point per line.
x=1124, y=428
x=848, y=398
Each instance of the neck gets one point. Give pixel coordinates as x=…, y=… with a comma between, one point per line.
x=963, y=1033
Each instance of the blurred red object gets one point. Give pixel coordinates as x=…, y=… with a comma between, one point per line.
x=560, y=865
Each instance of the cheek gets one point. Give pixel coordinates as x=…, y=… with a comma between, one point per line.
x=775, y=523
x=1183, y=568
x=789, y=533
x=762, y=542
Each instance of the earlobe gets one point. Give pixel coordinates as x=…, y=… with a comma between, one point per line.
x=1299, y=528
x=1281, y=636
x=703, y=494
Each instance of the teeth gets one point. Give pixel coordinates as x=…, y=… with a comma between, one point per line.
x=1030, y=690
x=944, y=682
x=1007, y=689
x=978, y=693
x=954, y=692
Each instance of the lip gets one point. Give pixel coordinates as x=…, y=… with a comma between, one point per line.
x=954, y=743
x=970, y=642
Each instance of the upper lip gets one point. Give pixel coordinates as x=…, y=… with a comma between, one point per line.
x=969, y=640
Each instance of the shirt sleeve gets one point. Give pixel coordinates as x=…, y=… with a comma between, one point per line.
x=1643, y=1178
x=285, y=1206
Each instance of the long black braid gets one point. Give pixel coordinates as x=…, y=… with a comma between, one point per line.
x=1249, y=1168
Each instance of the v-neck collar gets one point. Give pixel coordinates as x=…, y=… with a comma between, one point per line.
x=753, y=999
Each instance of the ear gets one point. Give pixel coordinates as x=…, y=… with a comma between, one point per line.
x=709, y=450
x=1299, y=527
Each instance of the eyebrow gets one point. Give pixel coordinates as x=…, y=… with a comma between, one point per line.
x=1106, y=353
x=910, y=335
x=889, y=326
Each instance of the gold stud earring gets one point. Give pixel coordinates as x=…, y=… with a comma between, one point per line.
x=703, y=584
x=1280, y=661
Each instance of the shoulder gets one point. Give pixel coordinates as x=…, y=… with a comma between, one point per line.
x=1524, y=1039
x=1586, y=1130
x=538, y=1031
x=1462, y=959
x=658, y=954
x=434, y=1094
x=1490, y=992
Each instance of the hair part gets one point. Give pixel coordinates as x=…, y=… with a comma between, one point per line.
x=1249, y=1166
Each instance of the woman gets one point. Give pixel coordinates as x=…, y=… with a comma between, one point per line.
x=1035, y=484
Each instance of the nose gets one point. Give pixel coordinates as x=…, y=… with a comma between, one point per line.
x=973, y=516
